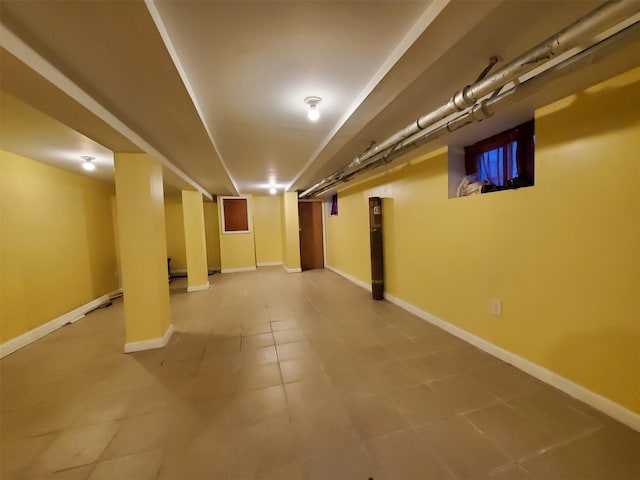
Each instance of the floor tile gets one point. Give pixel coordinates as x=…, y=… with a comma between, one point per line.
x=463, y=448
x=405, y=456
x=510, y=431
x=420, y=404
x=106, y=407
x=561, y=464
x=16, y=455
x=375, y=415
x=42, y=419
x=141, y=466
x=464, y=392
x=201, y=460
x=290, y=471
x=347, y=463
x=143, y=432
x=276, y=376
x=551, y=412
x=614, y=448
x=75, y=447
x=262, y=447
x=309, y=395
x=392, y=375
x=221, y=345
x=259, y=356
x=300, y=369
x=323, y=429
x=404, y=349
x=466, y=358
x=340, y=358
x=76, y=473
x=257, y=341
x=293, y=350
x=505, y=381
x=256, y=328
x=429, y=367
x=257, y=406
x=373, y=354
x=288, y=336
x=356, y=382
x=152, y=399
x=284, y=325
x=510, y=473
x=259, y=376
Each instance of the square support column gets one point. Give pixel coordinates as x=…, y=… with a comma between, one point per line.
x=195, y=241
x=290, y=233
x=143, y=251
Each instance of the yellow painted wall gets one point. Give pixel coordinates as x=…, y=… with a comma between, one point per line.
x=563, y=256
x=212, y=234
x=290, y=231
x=267, y=221
x=56, y=243
x=174, y=220
x=237, y=250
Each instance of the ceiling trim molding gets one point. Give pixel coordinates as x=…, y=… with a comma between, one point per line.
x=17, y=47
x=428, y=16
x=166, y=38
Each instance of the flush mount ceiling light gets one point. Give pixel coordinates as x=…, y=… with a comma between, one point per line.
x=313, y=114
x=87, y=165
x=273, y=191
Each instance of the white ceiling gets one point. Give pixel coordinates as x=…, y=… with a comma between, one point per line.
x=215, y=89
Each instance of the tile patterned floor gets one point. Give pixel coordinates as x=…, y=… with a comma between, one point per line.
x=276, y=376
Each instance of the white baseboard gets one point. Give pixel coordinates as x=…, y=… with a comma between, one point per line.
x=268, y=264
x=115, y=294
x=351, y=278
x=199, y=288
x=182, y=272
x=241, y=269
x=39, y=332
x=597, y=401
x=292, y=270
x=149, y=344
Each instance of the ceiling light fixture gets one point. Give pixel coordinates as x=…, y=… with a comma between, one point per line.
x=313, y=114
x=273, y=191
x=87, y=165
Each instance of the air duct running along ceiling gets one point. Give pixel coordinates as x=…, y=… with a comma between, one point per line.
x=476, y=100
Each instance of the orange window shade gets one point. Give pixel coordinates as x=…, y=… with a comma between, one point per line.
x=235, y=215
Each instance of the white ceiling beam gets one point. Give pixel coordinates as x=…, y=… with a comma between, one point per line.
x=157, y=19
x=18, y=48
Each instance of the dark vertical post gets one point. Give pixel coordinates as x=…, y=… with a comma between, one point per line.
x=375, y=225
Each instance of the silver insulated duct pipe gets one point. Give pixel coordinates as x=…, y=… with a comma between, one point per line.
x=595, y=22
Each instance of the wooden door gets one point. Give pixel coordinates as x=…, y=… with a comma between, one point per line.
x=311, y=247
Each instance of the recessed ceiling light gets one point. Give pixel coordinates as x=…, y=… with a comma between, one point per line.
x=273, y=191
x=87, y=165
x=313, y=114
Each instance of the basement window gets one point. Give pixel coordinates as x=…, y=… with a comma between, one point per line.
x=235, y=215
x=503, y=161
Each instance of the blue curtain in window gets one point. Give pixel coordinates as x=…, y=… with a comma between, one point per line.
x=499, y=164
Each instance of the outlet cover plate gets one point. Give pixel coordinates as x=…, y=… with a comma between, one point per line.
x=496, y=307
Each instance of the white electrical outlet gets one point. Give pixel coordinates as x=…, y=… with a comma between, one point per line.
x=496, y=307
